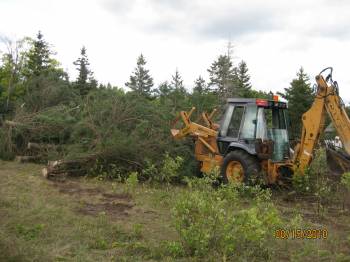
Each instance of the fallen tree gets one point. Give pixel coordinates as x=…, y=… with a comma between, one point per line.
x=62, y=168
x=109, y=133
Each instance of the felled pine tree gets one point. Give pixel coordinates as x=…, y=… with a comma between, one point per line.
x=140, y=81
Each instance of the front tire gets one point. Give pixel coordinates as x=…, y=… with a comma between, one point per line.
x=239, y=166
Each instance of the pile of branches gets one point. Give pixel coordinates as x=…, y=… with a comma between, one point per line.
x=36, y=136
x=37, y=153
x=107, y=127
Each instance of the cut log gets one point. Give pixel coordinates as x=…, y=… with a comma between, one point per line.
x=79, y=166
x=12, y=123
x=64, y=168
x=24, y=159
x=38, y=147
x=45, y=172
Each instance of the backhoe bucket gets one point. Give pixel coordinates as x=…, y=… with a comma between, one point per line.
x=338, y=162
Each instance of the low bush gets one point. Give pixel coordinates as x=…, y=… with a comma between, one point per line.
x=212, y=223
x=314, y=180
x=168, y=171
x=345, y=181
x=345, y=189
x=131, y=182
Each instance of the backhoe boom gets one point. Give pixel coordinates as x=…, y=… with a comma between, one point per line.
x=326, y=100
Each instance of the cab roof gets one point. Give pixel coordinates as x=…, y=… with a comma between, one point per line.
x=269, y=102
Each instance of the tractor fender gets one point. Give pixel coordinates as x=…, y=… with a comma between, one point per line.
x=236, y=145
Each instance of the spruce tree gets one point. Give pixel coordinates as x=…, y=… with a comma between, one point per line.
x=300, y=98
x=177, y=83
x=222, y=77
x=164, y=89
x=199, y=85
x=85, y=80
x=39, y=57
x=164, y=92
x=141, y=82
x=178, y=92
x=243, y=80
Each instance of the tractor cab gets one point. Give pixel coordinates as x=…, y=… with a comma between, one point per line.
x=258, y=126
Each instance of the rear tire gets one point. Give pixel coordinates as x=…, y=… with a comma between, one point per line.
x=239, y=166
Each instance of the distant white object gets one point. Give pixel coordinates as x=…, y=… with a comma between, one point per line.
x=337, y=142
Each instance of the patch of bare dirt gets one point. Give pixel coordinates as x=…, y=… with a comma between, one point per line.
x=117, y=196
x=118, y=209
x=74, y=188
x=113, y=204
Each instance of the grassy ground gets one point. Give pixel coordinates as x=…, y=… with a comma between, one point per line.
x=90, y=220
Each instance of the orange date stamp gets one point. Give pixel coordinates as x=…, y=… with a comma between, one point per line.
x=321, y=233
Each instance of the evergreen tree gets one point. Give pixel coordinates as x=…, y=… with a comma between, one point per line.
x=39, y=57
x=177, y=83
x=141, y=82
x=201, y=99
x=164, y=92
x=85, y=80
x=243, y=80
x=222, y=77
x=164, y=89
x=178, y=92
x=300, y=98
x=200, y=85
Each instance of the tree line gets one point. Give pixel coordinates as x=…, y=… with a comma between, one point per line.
x=28, y=59
x=94, y=117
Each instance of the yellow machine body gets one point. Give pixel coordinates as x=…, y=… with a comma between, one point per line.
x=326, y=100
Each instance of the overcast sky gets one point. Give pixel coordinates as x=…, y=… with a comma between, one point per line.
x=274, y=37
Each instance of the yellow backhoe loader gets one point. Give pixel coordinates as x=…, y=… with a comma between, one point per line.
x=253, y=135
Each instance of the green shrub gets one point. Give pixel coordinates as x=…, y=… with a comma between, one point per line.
x=302, y=182
x=166, y=249
x=104, y=170
x=150, y=171
x=29, y=233
x=210, y=222
x=131, y=182
x=137, y=231
x=318, y=171
x=345, y=180
x=314, y=180
x=169, y=171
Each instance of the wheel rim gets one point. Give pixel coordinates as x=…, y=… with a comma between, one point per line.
x=235, y=172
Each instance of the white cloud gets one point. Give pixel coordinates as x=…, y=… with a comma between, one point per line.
x=274, y=37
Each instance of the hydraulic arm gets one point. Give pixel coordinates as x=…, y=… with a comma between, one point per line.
x=326, y=100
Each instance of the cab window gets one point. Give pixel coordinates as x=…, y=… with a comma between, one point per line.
x=235, y=123
x=249, y=125
x=232, y=121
